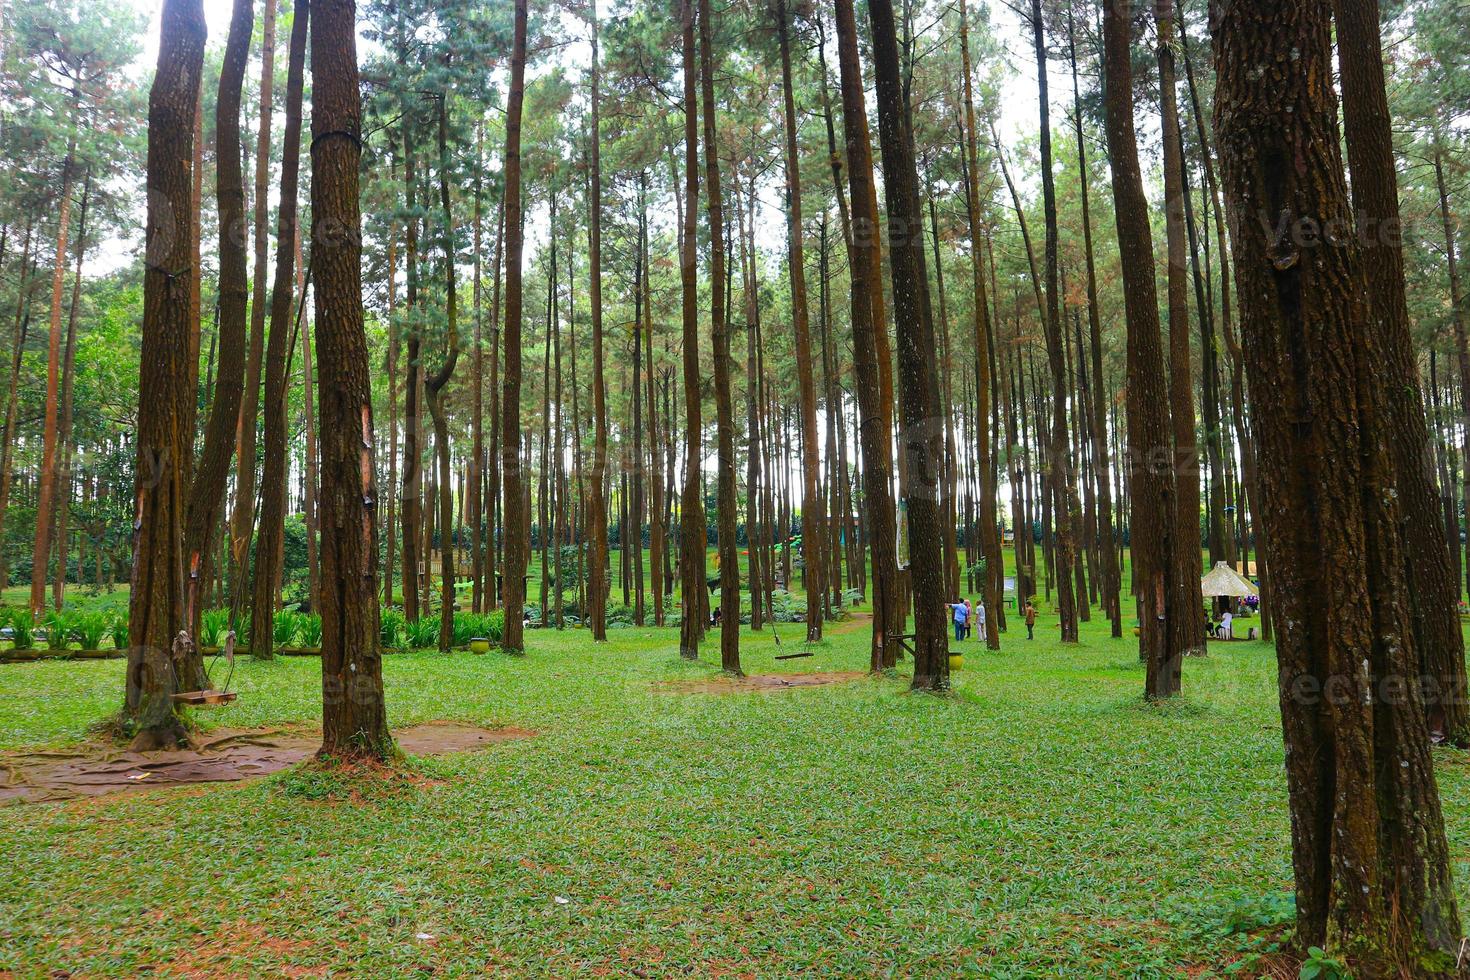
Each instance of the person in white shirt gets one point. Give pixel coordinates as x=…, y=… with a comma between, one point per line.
x=980, y=620
x=1225, y=630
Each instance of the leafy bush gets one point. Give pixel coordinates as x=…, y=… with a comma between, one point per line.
x=58, y=631
x=494, y=626
x=467, y=626
x=213, y=627
x=283, y=628
x=91, y=629
x=391, y=628
x=309, y=628
x=423, y=633
x=22, y=632
x=120, y=633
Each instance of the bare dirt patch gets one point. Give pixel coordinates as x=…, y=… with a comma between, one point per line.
x=758, y=682
x=222, y=756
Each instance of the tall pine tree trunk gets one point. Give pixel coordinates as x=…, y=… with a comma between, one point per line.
x=510, y=416
x=922, y=435
x=1164, y=629
x=692, y=528
x=720, y=332
x=1373, y=882
x=211, y=473
x=158, y=667
x=243, y=519
x=269, y=556
x=1181, y=389
x=354, y=720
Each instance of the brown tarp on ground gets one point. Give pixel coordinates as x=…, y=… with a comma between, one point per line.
x=220, y=756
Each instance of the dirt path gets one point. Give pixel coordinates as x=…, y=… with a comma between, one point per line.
x=220, y=757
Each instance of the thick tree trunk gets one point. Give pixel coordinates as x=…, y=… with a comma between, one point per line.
x=211, y=473
x=1164, y=630
x=269, y=554
x=1372, y=869
x=922, y=441
x=157, y=667
x=1432, y=592
x=354, y=720
x=510, y=416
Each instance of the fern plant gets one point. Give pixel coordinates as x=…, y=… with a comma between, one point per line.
x=423, y=633
x=391, y=629
x=283, y=628
x=91, y=629
x=58, y=631
x=310, y=630
x=22, y=632
x=213, y=626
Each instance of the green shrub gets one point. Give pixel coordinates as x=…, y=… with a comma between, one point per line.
x=494, y=626
x=284, y=628
x=120, y=632
x=22, y=632
x=91, y=629
x=391, y=629
x=467, y=626
x=310, y=630
x=423, y=633
x=58, y=631
x=213, y=627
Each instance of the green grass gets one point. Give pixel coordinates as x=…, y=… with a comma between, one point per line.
x=1041, y=821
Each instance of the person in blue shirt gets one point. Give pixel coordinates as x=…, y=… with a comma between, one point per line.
x=961, y=617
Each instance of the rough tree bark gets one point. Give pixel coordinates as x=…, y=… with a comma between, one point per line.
x=1368, y=846
x=157, y=668
x=354, y=719
x=1163, y=630
x=514, y=584
x=867, y=323
x=923, y=429
x=1433, y=591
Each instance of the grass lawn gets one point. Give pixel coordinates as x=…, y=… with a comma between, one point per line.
x=1039, y=822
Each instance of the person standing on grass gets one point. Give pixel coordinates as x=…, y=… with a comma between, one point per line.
x=980, y=620
x=961, y=618
x=969, y=619
x=1030, y=620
